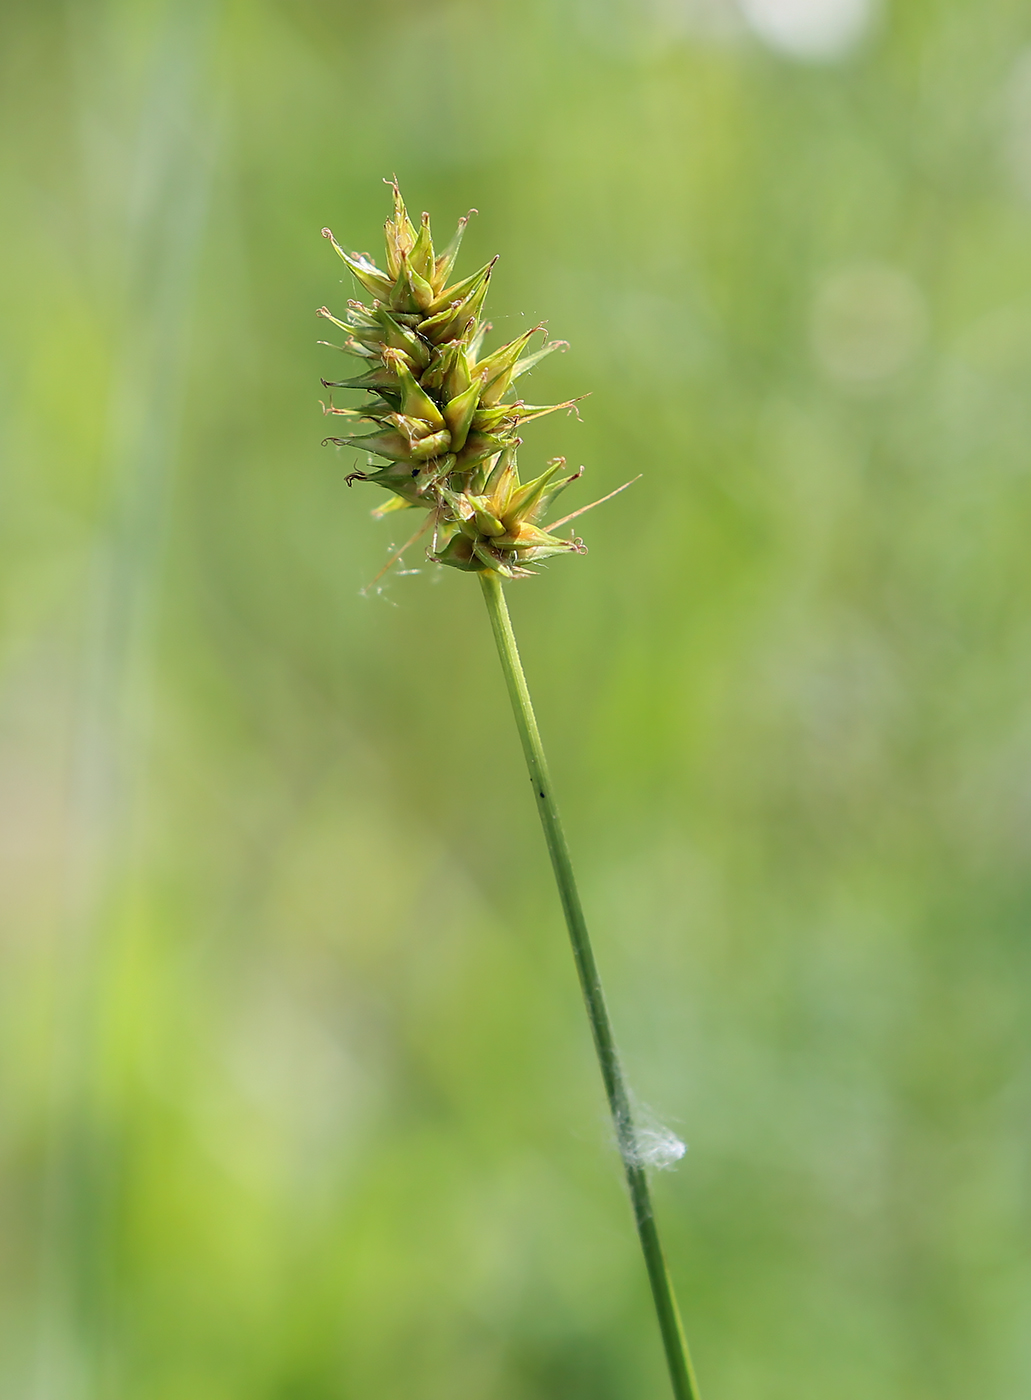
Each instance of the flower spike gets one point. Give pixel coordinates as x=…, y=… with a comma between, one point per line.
x=439, y=409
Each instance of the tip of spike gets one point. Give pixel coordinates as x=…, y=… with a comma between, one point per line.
x=327, y=233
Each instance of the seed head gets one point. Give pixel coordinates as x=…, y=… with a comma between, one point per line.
x=440, y=410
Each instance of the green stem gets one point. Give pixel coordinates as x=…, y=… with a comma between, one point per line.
x=685, y=1387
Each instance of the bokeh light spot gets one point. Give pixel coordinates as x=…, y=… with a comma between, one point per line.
x=809, y=29
x=868, y=323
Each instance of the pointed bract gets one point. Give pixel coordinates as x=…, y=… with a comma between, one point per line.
x=446, y=261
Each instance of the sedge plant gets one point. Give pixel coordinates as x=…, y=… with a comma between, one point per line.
x=440, y=427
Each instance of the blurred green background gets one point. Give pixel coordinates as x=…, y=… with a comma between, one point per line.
x=298, y=1098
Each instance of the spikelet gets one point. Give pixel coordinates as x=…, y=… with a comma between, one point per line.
x=439, y=411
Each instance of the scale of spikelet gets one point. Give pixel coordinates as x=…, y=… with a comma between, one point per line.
x=440, y=414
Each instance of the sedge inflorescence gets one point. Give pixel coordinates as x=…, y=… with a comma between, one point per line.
x=441, y=409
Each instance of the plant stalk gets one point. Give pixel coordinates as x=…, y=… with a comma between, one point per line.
x=678, y=1359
